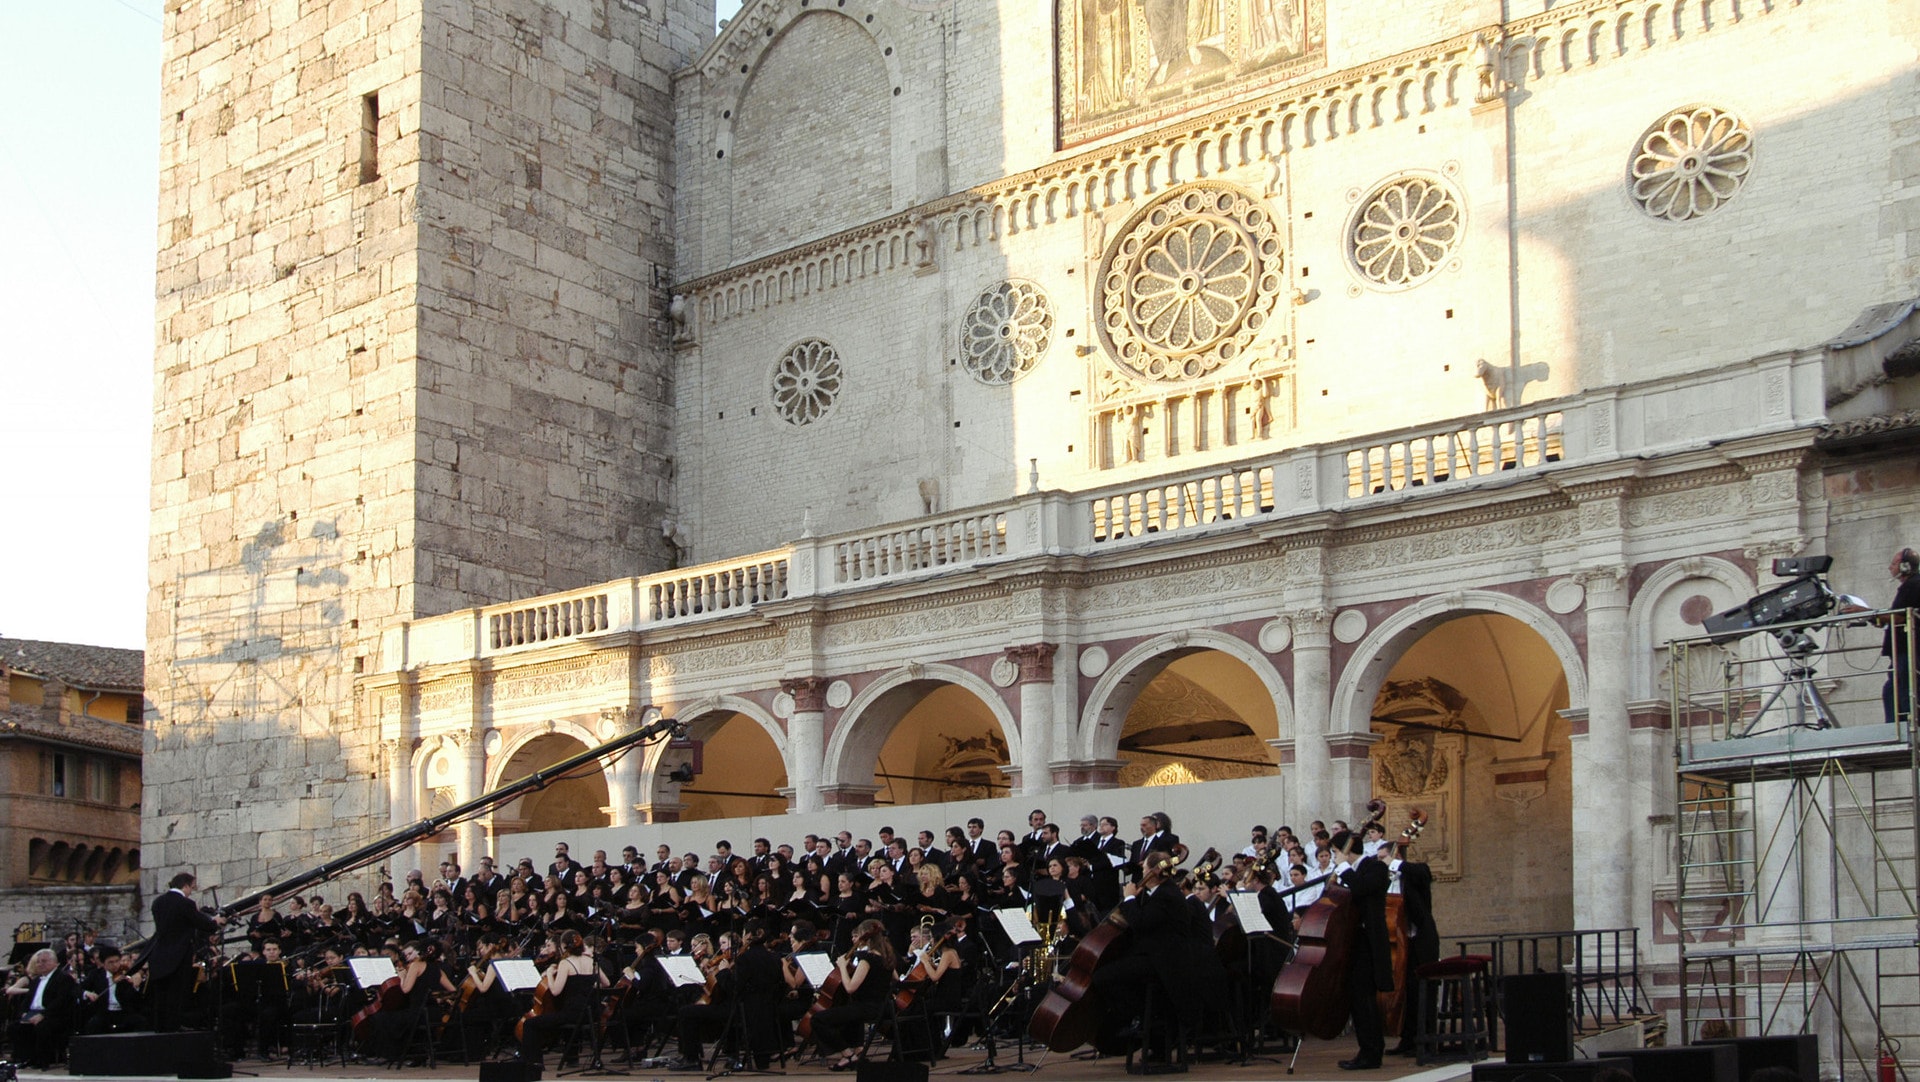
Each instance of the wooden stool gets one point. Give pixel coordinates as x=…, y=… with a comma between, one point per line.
x=1454, y=995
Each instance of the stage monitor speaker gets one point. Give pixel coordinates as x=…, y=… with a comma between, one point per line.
x=1799, y=1053
x=905, y=1070
x=1687, y=1063
x=1584, y=1070
x=1538, y=1011
x=509, y=1072
x=143, y=1054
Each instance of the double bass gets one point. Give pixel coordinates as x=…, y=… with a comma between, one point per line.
x=1399, y=942
x=1310, y=994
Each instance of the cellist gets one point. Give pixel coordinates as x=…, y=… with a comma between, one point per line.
x=1169, y=945
x=1370, y=962
x=569, y=981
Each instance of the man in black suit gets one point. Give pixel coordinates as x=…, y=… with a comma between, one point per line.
x=1416, y=887
x=1156, y=836
x=40, y=1007
x=986, y=854
x=179, y=930
x=1168, y=944
x=1370, y=965
x=114, y=1003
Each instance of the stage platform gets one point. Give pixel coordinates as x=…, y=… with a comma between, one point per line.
x=1318, y=1063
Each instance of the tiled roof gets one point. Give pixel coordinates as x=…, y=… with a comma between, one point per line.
x=29, y=722
x=99, y=668
x=1879, y=424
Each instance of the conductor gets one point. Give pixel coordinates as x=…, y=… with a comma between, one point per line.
x=179, y=929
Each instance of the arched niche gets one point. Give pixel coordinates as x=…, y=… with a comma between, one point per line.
x=571, y=803
x=743, y=761
x=1671, y=605
x=1187, y=706
x=925, y=734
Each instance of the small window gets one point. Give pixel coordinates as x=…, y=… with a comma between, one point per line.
x=370, y=138
x=58, y=774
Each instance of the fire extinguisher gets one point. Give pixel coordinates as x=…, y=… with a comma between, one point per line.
x=1889, y=1060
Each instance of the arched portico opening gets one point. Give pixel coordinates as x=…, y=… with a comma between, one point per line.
x=938, y=734
x=572, y=803
x=740, y=769
x=1188, y=707
x=1471, y=733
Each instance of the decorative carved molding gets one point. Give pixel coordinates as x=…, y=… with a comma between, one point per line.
x=1416, y=769
x=1690, y=162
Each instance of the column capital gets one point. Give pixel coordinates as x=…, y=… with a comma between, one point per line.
x=809, y=693
x=1035, y=660
x=1312, y=622
x=1605, y=585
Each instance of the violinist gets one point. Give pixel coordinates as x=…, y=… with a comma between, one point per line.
x=1370, y=965
x=866, y=975
x=257, y=1007
x=800, y=937
x=941, y=972
x=569, y=981
x=118, y=1004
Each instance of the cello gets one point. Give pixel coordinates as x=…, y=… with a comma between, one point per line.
x=1068, y=1016
x=832, y=994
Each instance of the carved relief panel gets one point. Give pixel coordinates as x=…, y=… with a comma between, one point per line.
x=1127, y=63
x=1425, y=770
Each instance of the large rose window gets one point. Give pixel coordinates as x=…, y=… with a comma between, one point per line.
x=806, y=382
x=1690, y=163
x=1190, y=283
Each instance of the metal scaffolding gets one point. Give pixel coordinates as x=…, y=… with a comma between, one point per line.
x=1797, y=836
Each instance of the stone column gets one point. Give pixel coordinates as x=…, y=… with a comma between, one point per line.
x=1035, y=663
x=806, y=740
x=1312, y=710
x=399, y=782
x=1603, y=777
x=473, y=782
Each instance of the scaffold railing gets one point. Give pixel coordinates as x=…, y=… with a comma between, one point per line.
x=1795, y=826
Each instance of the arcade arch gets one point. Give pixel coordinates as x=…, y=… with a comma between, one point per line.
x=1468, y=709
x=742, y=765
x=1188, y=706
x=572, y=803
x=926, y=735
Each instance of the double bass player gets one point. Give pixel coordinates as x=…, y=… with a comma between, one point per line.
x=1370, y=961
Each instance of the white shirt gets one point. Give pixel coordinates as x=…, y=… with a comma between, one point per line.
x=39, y=990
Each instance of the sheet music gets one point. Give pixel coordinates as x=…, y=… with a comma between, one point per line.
x=1115, y=860
x=683, y=970
x=517, y=974
x=372, y=972
x=1246, y=906
x=1014, y=922
x=816, y=965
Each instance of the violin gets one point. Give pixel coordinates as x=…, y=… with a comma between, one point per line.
x=918, y=976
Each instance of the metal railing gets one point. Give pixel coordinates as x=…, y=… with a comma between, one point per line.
x=1603, y=962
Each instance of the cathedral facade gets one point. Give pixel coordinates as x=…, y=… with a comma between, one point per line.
x=1118, y=404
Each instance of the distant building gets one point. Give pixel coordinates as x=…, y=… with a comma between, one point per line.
x=70, y=732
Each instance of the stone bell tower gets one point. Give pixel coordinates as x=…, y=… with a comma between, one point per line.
x=412, y=355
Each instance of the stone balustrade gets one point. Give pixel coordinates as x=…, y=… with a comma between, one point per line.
x=1778, y=393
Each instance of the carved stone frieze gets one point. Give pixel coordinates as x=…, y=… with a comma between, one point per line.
x=1691, y=505
x=913, y=625
x=573, y=674
x=1451, y=544
x=741, y=654
x=1147, y=591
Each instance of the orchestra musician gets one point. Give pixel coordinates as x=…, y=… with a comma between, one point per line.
x=866, y=974
x=1370, y=965
x=570, y=981
x=1169, y=945
x=180, y=930
x=484, y=998
x=40, y=1007
x=117, y=1003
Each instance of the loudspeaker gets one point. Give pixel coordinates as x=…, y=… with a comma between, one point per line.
x=1799, y=1053
x=1577, y=1071
x=904, y=1070
x=1538, y=1011
x=144, y=1054
x=509, y=1072
x=1688, y=1063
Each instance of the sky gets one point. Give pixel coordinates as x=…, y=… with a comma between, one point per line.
x=79, y=181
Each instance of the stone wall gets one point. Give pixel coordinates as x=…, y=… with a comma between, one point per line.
x=412, y=260
x=114, y=912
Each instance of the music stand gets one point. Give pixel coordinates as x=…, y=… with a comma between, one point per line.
x=1019, y=933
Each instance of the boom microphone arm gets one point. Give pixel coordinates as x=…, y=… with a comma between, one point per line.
x=432, y=825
